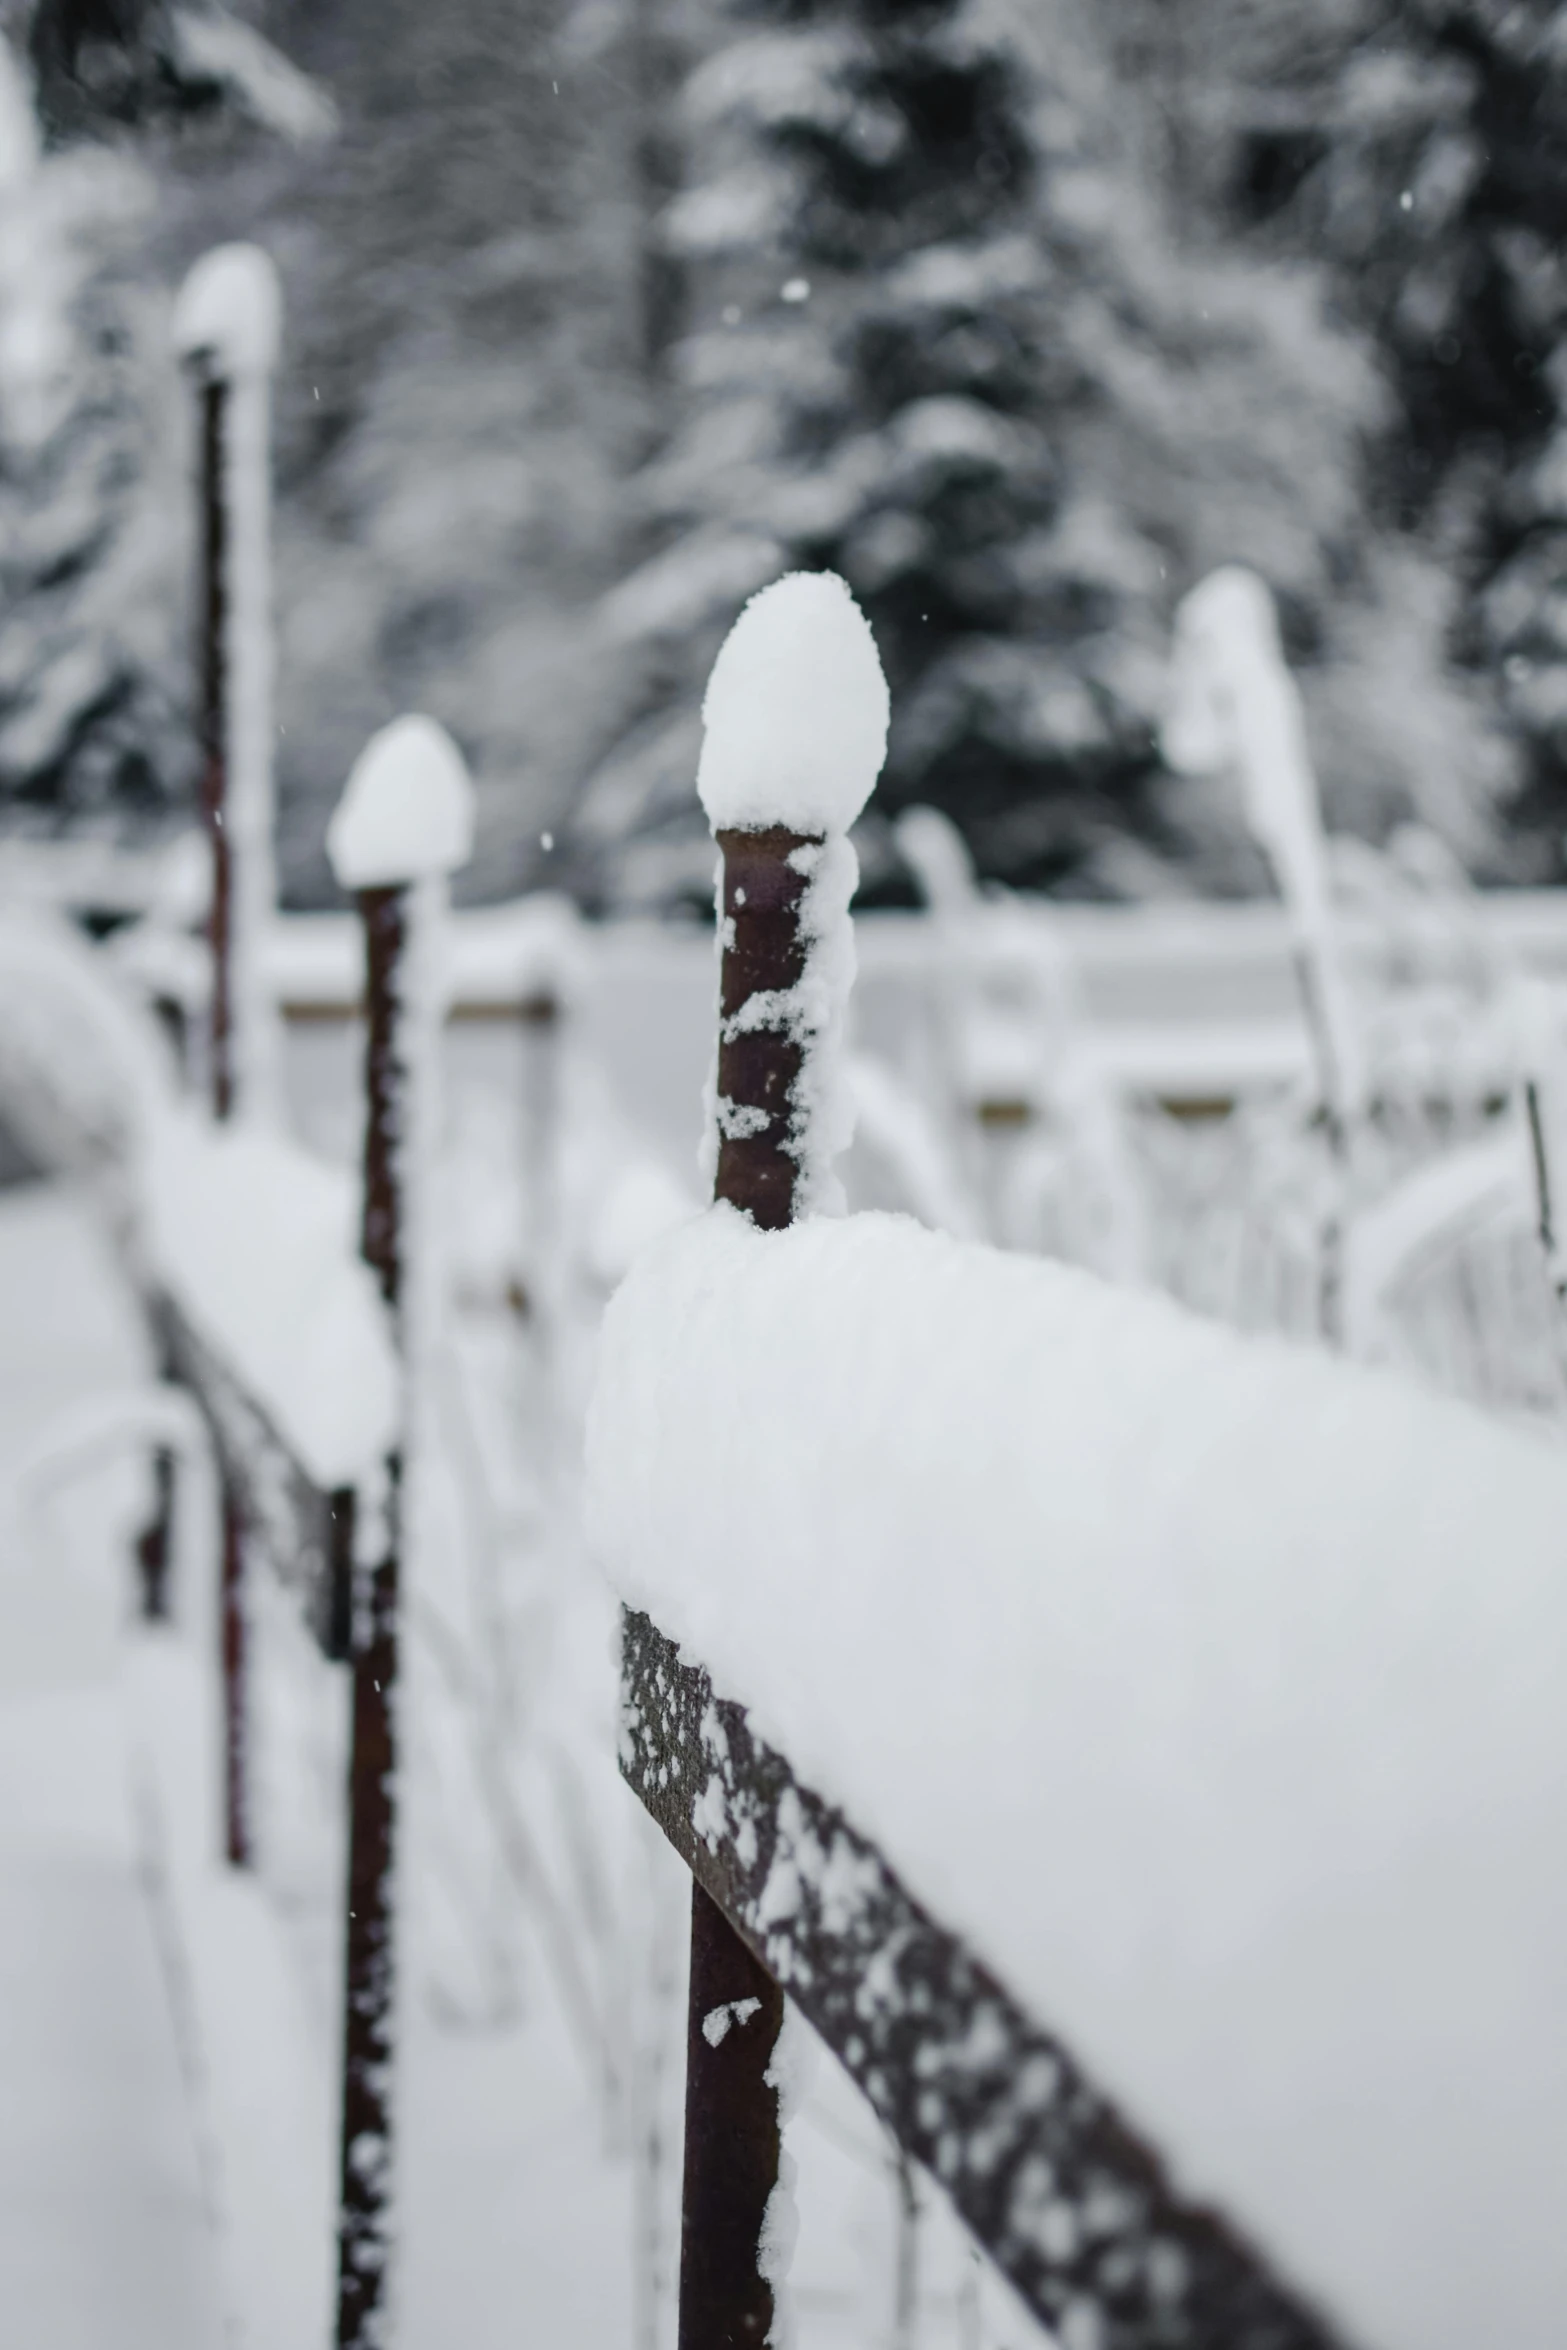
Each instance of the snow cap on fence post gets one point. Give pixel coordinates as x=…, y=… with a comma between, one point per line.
x=795, y=730
x=794, y=721
x=229, y=313
x=407, y=809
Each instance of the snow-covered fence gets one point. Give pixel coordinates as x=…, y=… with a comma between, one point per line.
x=1140, y=1753
x=265, y=1314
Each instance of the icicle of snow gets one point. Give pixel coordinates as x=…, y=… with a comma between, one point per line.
x=1234, y=702
x=796, y=711
x=795, y=731
x=407, y=810
x=227, y=325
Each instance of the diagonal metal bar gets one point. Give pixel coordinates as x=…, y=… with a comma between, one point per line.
x=1071, y=2204
x=296, y=1526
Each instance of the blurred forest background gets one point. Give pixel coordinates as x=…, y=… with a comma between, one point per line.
x=1020, y=313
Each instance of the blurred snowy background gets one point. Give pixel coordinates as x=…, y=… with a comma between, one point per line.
x=1021, y=313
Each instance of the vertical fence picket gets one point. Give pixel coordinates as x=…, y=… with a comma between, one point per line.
x=226, y=332
x=368, y=1965
x=795, y=723
x=732, y=2127
x=405, y=821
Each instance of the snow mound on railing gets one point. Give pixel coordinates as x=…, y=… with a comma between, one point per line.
x=84, y=1074
x=255, y=1241
x=796, y=711
x=1216, y=1692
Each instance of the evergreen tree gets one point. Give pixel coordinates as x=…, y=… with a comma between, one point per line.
x=471, y=322
x=88, y=723
x=943, y=342
x=1419, y=148
x=94, y=693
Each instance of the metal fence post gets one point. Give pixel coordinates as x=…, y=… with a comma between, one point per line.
x=732, y=2128
x=784, y=771
x=226, y=332
x=404, y=822
x=368, y=1969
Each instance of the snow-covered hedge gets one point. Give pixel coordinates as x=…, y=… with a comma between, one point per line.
x=1214, y=1691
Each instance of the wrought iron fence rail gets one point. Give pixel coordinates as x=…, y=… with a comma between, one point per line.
x=1072, y=2205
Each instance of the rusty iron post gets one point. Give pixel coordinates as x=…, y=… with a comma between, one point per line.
x=732, y=2137
x=212, y=665
x=369, y=1986
x=232, y=1633
x=154, y=1544
x=759, y=1068
x=335, y=1614
x=732, y=2126
x=213, y=393
x=226, y=324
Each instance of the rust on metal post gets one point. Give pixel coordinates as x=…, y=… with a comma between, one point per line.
x=335, y=1605
x=384, y=914
x=154, y=1544
x=759, y=1067
x=366, y=2145
x=232, y=1630
x=213, y=665
x=732, y=2137
x=731, y=2150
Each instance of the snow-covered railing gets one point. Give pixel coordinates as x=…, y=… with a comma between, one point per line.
x=1139, y=1753
x=265, y=1312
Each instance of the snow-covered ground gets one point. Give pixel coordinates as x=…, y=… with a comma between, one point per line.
x=167, y=2035
x=104, y=2226
x=140, y=2015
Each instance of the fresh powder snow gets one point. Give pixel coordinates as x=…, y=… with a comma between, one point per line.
x=1212, y=1689
x=229, y=313
x=406, y=813
x=795, y=716
x=255, y=1241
